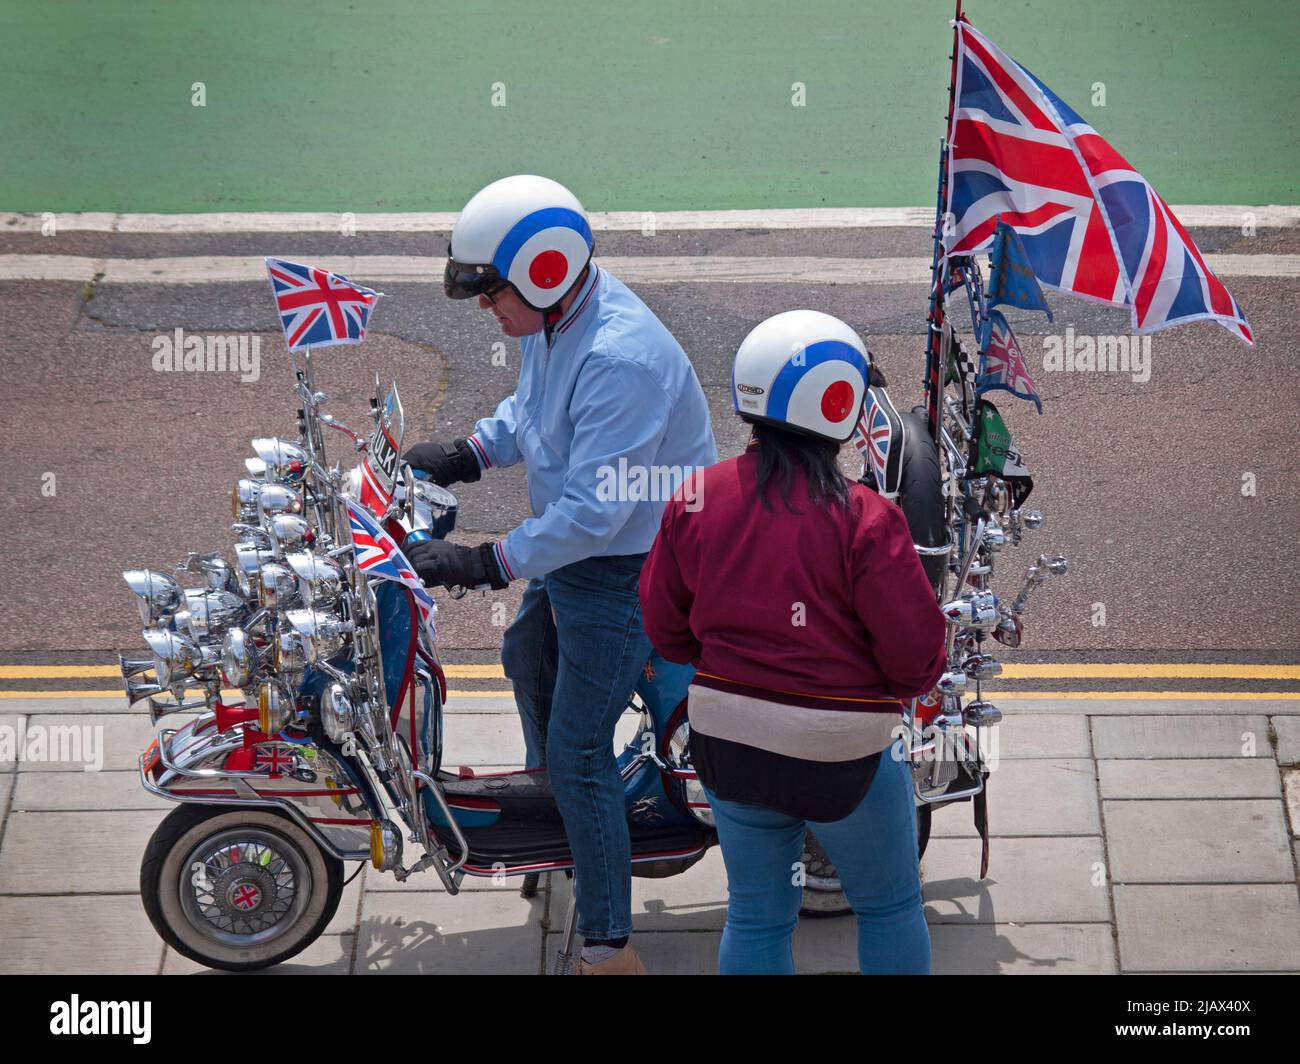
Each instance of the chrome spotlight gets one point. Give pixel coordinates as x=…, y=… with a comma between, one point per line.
x=211, y=612
x=291, y=532
x=321, y=633
x=337, y=714
x=238, y=658
x=256, y=468
x=278, y=586
x=274, y=709
x=285, y=462
x=278, y=499
x=250, y=558
x=159, y=595
x=288, y=654
x=321, y=578
x=243, y=499
x=175, y=659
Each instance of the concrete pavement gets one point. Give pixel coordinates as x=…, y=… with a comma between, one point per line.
x=1124, y=840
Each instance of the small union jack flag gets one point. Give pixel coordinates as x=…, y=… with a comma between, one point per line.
x=273, y=758
x=1002, y=365
x=873, y=436
x=378, y=555
x=1091, y=224
x=319, y=308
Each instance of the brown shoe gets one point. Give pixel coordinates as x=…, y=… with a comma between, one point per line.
x=624, y=962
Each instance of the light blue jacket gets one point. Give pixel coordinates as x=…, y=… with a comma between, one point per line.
x=608, y=419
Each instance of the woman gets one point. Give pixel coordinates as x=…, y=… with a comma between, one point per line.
x=800, y=599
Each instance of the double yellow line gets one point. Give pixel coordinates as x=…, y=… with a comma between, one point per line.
x=1046, y=671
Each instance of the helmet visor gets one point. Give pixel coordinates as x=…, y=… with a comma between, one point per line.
x=464, y=280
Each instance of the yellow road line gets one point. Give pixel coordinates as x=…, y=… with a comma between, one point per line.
x=1148, y=670
x=1000, y=696
x=1291, y=696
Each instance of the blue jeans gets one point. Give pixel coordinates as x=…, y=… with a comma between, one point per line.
x=874, y=853
x=573, y=675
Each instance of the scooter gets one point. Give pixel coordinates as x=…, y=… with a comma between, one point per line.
x=334, y=753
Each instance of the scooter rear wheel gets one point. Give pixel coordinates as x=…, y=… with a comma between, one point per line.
x=237, y=888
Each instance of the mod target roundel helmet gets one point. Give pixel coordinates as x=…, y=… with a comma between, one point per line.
x=802, y=370
x=525, y=230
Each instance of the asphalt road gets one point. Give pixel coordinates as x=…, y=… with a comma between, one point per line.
x=1140, y=483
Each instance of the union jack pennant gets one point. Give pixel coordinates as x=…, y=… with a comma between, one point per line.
x=1002, y=365
x=378, y=555
x=1091, y=225
x=319, y=308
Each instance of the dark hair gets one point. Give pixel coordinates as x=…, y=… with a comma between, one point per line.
x=780, y=450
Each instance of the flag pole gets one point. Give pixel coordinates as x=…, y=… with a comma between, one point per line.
x=934, y=318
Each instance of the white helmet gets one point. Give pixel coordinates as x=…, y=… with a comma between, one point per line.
x=803, y=370
x=528, y=231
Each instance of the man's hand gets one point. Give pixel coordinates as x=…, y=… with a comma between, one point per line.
x=446, y=463
x=451, y=565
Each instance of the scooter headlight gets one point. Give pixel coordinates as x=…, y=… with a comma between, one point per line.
x=238, y=658
x=159, y=595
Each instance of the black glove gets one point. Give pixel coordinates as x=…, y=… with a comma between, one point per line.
x=451, y=565
x=446, y=463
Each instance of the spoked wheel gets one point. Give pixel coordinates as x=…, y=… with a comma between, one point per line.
x=822, y=893
x=237, y=889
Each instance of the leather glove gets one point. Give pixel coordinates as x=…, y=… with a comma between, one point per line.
x=452, y=565
x=446, y=463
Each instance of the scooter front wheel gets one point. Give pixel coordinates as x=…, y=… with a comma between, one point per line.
x=822, y=893
x=237, y=888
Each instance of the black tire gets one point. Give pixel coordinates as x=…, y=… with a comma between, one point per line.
x=165, y=876
x=923, y=814
x=920, y=493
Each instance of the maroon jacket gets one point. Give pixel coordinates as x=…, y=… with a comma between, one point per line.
x=824, y=608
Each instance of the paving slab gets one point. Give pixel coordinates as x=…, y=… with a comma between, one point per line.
x=478, y=933
x=666, y=952
x=1291, y=780
x=1033, y=796
x=696, y=900
x=1024, y=734
x=74, y=853
x=11, y=731
x=1209, y=841
x=1202, y=928
x=1229, y=777
x=328, y=955
x=72, y=741
x=1180, y=736
x=116, y=789
x=1030, y=880
x=1023, y=949
x=1128, y=707
x=1288, y=739
x=78, y=934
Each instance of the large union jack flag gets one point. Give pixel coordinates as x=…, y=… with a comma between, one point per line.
x=1091, y=225
x=378, y=555
x=319, y=308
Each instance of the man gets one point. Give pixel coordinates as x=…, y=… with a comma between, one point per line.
x=604, y=391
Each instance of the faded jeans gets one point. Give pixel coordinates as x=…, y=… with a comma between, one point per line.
x=573, y=674
x=874, y=853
